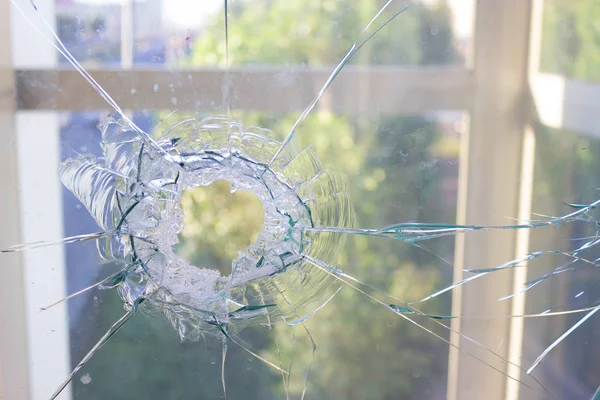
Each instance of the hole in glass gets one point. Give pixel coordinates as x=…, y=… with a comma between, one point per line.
x=218, y=225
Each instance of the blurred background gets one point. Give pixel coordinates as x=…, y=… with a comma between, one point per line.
x=459, y=111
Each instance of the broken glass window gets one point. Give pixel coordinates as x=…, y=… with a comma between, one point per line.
x=257, y=310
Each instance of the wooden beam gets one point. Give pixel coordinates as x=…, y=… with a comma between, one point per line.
x=390, y=90
x=490, y=170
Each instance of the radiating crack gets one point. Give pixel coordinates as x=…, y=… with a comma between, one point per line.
x=133, y=191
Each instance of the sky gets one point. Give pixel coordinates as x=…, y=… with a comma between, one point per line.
x=189, y=13
x=463, y=12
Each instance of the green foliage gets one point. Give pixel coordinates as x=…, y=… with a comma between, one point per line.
x=393, y=177
x=588, y=30
x=566, y=171
x=218, y=224
x=146, y=360
x=436, y=37
x=317, y=32
x=364, y=351
x=571, y=38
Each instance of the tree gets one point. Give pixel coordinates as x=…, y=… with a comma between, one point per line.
x=566, y=171
x=571, y=39
x=364, y=351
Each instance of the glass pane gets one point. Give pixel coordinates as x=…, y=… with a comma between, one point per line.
x=191, y=34
x=571, y=40
x=91, y=32
x=565, y=173
x=392, y=166
x=397, y=167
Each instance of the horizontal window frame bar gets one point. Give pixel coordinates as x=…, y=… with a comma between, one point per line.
x=560, y=102
x=384, y=90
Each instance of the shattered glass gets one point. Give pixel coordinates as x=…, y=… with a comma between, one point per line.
x=346, y=291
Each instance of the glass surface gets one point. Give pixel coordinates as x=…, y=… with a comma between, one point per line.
x=191, y=34
x=571, y=39
x=565, y=173
x=398, y=168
